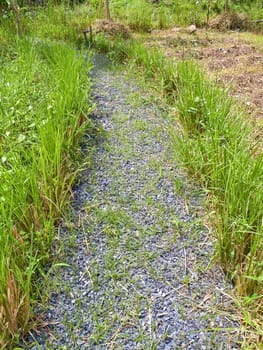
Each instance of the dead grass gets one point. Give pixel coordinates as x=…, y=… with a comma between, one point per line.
x=230, y=21
x=112, y=29
x=14, y=310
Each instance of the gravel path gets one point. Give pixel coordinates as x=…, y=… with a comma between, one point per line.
x=140, y=272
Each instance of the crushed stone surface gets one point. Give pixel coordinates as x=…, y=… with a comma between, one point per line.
x=139, y=270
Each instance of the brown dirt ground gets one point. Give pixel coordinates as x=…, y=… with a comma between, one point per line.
x=232, y=58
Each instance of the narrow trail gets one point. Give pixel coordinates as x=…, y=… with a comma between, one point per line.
x=139, y=271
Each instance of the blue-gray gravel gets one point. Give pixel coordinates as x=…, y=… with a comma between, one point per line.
x=140, y=271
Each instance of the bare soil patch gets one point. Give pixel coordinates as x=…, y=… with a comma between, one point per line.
x=228, y=57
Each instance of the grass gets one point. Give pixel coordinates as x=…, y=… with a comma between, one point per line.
x=43, y=110
x=252, y=38
x=216, y=138
x=142, y=15
x=43, y=114
x=215, y=143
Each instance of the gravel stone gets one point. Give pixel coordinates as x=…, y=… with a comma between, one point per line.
x=138, y=268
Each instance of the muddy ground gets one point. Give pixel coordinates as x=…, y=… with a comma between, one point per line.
x=234, y=59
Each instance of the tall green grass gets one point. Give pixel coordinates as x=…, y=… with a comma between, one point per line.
x=53, y=22
x=143, y=15
x=43, y=107
x=215, y=143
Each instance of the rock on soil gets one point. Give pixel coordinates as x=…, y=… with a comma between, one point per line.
x=191, y=29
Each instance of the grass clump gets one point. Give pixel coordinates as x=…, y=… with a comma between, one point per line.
x=43, y=109
x=139, y=15
x=215, y=143
x=215, y=146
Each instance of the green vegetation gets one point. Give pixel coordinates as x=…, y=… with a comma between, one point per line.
x=215, y=144
x=143, y=15
x=43, y=107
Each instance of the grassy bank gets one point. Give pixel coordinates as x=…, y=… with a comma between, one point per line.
x=43, y=115
x=216, y=145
